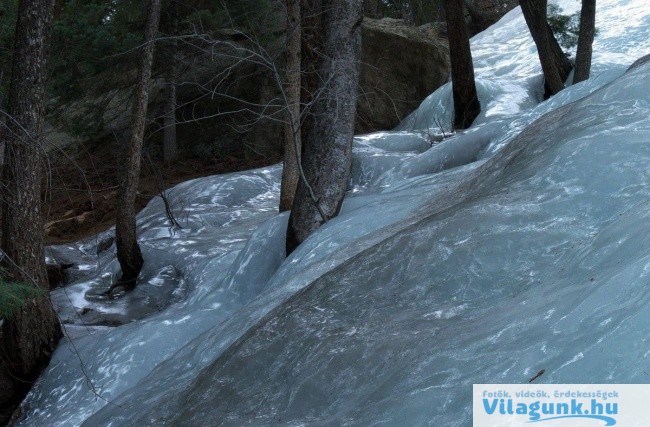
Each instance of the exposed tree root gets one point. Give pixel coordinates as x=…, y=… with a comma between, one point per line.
x=128, y=285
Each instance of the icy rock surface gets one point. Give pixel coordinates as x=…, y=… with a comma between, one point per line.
x=542, y=261
x=518, y=245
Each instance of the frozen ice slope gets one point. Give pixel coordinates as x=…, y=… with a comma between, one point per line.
x=520, y=245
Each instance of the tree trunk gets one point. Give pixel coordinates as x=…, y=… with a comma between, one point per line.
x=585, y=40
x=292, y=140
x=535, y=14
x=328, y=151
x=466, y=103
x=562, y=62
x=311, y=53
x=30, y=335
x=128, y=251
x=170, y=145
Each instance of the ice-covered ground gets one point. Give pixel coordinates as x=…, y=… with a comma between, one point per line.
x=519, y=245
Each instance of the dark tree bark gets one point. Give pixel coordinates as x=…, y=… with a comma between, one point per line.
x=128, y=250
x=484, y=13
x=328, y=151
x=585, y=40
x=292, y=139
x=466, y=103
x=311, y=54
x=170, y=144
x=29, y=336
x=535, y=14
x=561, y=60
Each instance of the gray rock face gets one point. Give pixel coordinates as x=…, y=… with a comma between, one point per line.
x=401, y=65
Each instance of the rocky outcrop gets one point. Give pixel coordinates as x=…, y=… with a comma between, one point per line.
x=220, y=95
x=401, y=65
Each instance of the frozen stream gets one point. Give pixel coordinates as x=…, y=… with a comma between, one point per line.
x=519, y=245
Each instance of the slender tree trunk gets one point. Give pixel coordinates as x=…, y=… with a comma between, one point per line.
x=466, y=103
x=562, y=62
x=3, y=121
x=292, y=139
x=311, y=54
x=535, y=14
x=170, y=144
x=585, y=40
x=29, y=336
x=328, y=151
x=128, y=251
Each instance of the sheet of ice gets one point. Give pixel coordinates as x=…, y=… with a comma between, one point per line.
x=177, y=299
x=379, y=152
x=540, y=261
x=195, y=278
x=480, y=248
x=508, y=73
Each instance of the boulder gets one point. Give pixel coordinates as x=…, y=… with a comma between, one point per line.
x=401, y=65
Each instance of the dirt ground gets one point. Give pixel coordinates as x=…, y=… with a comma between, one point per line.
x=80, y=188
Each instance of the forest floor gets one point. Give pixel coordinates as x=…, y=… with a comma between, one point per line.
x=79, y=195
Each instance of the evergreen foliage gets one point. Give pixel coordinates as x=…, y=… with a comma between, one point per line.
x=565, y=27
x=8, y=16
x=90, y=37
x=14, y=295
x=93, y=48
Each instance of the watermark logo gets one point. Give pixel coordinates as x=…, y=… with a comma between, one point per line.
x=560, y=405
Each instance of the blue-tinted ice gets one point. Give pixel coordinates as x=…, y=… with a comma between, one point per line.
x=518, y=245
